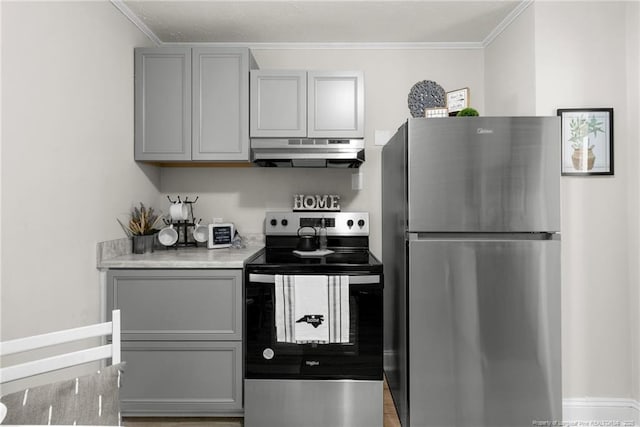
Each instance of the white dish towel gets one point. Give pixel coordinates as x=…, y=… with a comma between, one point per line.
x=312, y=309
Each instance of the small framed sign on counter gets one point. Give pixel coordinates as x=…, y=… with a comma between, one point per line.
x=220, y=235
x=457, y=100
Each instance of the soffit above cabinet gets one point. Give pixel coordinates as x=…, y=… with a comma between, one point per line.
x=313, y=21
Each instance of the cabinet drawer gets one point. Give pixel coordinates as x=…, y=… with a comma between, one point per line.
x=181, y=378
x=177, y=305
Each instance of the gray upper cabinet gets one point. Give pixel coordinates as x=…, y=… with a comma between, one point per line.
x=314, y=104
x=192, y=104
x=278, y=103
x=163, y=104
x=220, y=104
x=336, y=104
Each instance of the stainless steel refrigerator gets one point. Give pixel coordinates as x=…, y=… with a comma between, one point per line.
x=471, y=249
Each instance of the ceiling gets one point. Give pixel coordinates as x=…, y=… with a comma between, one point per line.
x=450, y=22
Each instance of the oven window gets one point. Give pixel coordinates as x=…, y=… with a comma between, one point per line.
x=360, y=358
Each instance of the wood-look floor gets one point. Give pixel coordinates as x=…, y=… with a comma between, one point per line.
x=390, y=418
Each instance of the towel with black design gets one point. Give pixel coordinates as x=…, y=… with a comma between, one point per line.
x=312, y=309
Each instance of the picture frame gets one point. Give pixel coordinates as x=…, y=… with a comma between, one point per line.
x=436, y=112
x=457, y=100
x=586, y=141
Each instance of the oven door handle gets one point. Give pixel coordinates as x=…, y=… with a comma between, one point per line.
x=356, y=280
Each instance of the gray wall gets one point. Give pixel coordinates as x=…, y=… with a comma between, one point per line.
x=67, y=157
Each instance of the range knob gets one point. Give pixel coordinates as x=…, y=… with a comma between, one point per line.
x=361, y=223
x=274, y=222
x=284, y=222
x=350, y=223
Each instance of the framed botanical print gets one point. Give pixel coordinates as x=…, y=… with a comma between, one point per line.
x=587, y=141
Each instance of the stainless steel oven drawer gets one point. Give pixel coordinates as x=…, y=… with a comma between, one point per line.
x=295, y=403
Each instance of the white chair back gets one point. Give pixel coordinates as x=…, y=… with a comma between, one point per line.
x=101, y=352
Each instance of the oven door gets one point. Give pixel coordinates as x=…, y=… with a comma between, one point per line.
x=359, y=359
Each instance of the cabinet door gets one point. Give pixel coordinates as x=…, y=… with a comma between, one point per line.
x=177, y=305
x=336, y=104
x=278, y=104
x=162, y=104
x=220, y=104
x=182, y=378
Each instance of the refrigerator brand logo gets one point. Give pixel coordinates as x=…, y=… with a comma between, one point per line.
x=482, y=131
x=311, y=362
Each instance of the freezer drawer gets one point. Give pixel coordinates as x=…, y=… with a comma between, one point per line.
x=484, y=174
x=484, y=332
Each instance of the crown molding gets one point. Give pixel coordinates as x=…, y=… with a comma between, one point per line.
x=336, y=45
x=508, y=20
x=522, y=6
x=119, y=4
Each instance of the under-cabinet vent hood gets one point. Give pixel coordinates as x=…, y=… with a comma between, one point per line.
x=308, y=153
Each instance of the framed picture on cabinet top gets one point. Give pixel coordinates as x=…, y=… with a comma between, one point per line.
x=586, y=141
x=457, y=100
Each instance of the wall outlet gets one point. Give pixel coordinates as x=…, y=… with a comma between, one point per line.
x=217, y=220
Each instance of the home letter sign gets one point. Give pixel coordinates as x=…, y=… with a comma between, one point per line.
x=325, y=202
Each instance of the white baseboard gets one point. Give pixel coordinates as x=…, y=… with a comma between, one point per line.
x=594, y=411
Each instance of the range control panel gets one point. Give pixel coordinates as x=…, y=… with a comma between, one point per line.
x=337, y=223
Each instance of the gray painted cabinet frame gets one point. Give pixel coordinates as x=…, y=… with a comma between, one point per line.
x=181, y=339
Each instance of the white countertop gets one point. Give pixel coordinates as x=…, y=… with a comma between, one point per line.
x=184, y=258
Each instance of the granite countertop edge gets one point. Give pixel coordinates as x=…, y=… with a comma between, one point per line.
x=117, y=254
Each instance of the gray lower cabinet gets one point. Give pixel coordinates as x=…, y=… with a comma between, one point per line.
x=181, y=340
x=182, y=378
x=192, y=104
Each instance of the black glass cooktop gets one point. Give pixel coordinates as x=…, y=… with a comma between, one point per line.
x=353, y=259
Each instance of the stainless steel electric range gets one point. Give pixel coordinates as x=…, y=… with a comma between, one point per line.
x=313, y=325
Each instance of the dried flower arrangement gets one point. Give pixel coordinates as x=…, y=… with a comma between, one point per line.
x=143, y=221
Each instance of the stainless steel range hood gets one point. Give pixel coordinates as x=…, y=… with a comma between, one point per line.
x=308, y=153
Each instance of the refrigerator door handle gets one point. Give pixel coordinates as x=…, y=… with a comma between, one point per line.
x=483, y=236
